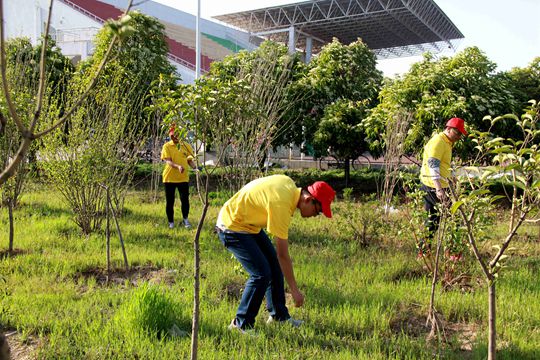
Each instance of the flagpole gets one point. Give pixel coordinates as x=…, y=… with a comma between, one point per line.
x=198, y=41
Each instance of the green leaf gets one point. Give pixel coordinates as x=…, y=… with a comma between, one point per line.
x=479, y=192
x=455, y=206
x=496, y=198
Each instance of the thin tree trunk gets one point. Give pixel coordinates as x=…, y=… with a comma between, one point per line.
x=11, y=227
x=492, y=341
x=432, y=313
x=347, y=168
x=108, y=235
x=196, y=284
x=126, y=265
x=432, y=316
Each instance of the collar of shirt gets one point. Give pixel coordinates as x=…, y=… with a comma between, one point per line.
x=446, y=139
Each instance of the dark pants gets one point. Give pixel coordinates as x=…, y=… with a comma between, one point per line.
x=258, y=257
x=170, y=191
x=431, y=202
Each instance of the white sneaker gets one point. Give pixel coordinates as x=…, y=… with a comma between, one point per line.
x=291, y=321
x=171, y=225
x=234, y=327
x=187, y=224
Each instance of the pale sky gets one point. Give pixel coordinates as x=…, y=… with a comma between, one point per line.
x=508, y=31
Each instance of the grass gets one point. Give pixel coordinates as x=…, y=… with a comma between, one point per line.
x=361, y=302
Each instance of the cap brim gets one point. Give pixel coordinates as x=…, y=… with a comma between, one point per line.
x=326, y=210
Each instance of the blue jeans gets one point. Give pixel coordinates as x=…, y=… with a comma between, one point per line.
x=258, y=257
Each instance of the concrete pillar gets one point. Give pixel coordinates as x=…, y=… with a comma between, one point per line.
x=309, y=46
x=292, y=40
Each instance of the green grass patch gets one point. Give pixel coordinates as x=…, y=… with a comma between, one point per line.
x=362, y=302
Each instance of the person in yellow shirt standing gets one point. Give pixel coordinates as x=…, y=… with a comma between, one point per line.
x=177, y=155
x=435, y=172
x=268, y=202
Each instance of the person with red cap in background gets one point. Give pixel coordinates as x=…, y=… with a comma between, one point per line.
x=268, y=202
x=177, y=155
x=435, y=173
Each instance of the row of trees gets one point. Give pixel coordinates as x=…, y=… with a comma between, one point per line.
x=340, y=105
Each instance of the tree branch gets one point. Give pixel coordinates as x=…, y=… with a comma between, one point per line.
x=12, y=167
x=105, y=59
x=3, y=123
x=509, y=237
x=3, y=66
x=470, y=236
x=42, y=68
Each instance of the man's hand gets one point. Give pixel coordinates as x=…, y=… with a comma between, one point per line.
x=180, y=168
x=298, y=298
x=441, y=195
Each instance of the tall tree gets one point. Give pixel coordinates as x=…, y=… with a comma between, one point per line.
x=344, y=75
x=139, y=62
x=526, y=81
x=433, y=91
x=341, y=132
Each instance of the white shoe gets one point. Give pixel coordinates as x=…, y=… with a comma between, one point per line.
x=187, y=224
x=234, y=327
x=171, y=225
x=291, y=321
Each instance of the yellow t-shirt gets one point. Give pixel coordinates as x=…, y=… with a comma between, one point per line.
x=180, y=154
x=436, y=160
x=268, y=202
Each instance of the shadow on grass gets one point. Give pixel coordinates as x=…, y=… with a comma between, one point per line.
x=510, y=352
x=44, y=209
x=133, y=276
x=4, y=254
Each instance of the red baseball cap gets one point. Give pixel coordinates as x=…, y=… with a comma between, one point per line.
x=324, y=193
x=172, y=129
x=457, y=123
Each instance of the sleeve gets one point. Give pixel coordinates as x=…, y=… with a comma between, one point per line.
x=434, y=155
x=434, y=167
x=279, y=219
x=189, y=151
x=165, y=152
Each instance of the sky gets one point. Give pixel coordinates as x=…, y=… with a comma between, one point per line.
x=508, y=32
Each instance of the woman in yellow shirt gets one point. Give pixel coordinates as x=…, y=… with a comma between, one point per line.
x=178, y=155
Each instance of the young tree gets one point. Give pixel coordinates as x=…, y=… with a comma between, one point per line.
x=111, y=125
x=22, y=75
x=517, y=164
x=236, y=109
x=36, y=129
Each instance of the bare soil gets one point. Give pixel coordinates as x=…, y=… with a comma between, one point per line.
x=22, y=349
x=410, y=321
